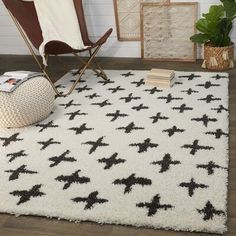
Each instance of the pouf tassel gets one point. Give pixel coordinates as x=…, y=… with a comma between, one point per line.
x=213, y=61
x=204, y=64
x=225, y=55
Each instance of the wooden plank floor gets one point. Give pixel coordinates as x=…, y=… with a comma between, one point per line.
x=40, y=226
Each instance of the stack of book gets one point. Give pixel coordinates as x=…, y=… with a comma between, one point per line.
x=161, y=78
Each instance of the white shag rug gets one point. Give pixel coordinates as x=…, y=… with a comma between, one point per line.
x=125, y=153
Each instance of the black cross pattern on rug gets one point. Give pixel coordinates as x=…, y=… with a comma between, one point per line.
x=220, y=109
x=46, y=144
x=116, y=89
x=72, y=115
x=192, y=186
x=82, y=89
x=218, y=77
x=13, y=138
x=60, y=86
x=43, y=127
x=81, y=129
x=208, y=85
x=178, y=83
x=209, y=98
x=102, y=104
x=96, y=144
x=105, y=82
x=116, y=115
x=69, y=104
x=154, y=205
x=190, y=91
x=173, y=130
x=169, y=98
x=26, y=195
x=182, y=108
x=111, y=161
x=90, y=201
x=143, y=147
x=158, y=117
x=21, y=170
x=210, y=167
x=129, y=98
x=166, y=163
x=74, y=80
x=15, y=155
x=140, y=107
x=74, y=178
x=92, y=96
x=218, y=133
x=209, y=211
x=153, y=90
x=131, y=181
x=138, y=83
x=190, y=77
x=205, y=119
x=61, y=158
x=129, y=128
x=127, y=74
x=195, y=147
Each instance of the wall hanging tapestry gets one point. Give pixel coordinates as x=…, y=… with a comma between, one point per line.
x=166, y=30
x=122, y=152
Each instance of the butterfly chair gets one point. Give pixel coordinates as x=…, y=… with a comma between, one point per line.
x=25, y=17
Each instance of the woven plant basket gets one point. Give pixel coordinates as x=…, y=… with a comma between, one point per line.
x=218, y=58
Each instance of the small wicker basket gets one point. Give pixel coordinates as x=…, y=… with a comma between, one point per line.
x=218, y=58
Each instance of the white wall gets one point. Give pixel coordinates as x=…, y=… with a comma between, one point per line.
x=100, y=17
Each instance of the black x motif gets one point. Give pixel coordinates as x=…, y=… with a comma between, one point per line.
x=210, y=167
x=96, y=144
x=102, y=104
x=218, y=133
x=220, y=109
x=169, y=98
x=69, y=104
x=140, y=107
x=129, y=98
x=50, y=124
x=131, y=181
x=12, y=138
x=209, y=211
x=26, y=195
x=182, y=108
x=205, y=119
x=218, y=77
x=82, y=89
x=190, y=91
x=74, y=114
x=173, y=130
x=138, y=83
x=81, y=129
x=16, y=173
x=113, y=160
x=190, y=77
x=16, y=155
x=143, y=147
x=166, y=163
x=209, y=98
x=46, y=144
x=129, y=128
x=158, y=117
x=117, y=89
x=116, y=115
x=208, y=85
x=128, y=74
x=72, y=179
x=90, y=200
x=196, y=147
x=60, y=86
x=153, y=90
x=58, y=159
x=74, y=80
x=154, y=205
x=105, y=82
x=92, y=96
x=192, y=186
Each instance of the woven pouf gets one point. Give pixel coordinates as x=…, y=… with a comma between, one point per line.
x=29, y=103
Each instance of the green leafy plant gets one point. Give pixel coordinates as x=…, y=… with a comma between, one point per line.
x=216, y=25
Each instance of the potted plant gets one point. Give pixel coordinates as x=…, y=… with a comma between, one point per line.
x=215, y=28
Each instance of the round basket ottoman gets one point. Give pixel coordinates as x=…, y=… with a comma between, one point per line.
x=29, y=103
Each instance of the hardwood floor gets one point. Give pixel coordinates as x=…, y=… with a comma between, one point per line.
x=40, y=226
